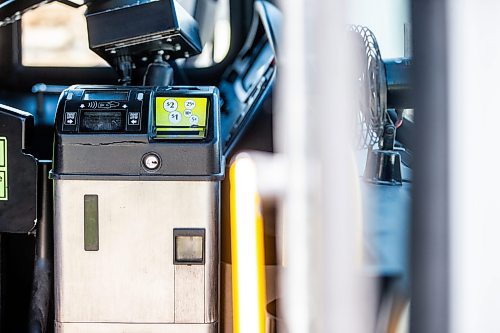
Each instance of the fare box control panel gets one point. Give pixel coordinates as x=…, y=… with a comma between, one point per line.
x=164, y=113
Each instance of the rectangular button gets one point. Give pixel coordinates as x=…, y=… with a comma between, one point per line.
x=3, y=185
x=3, y=169
x=91, y=222
x=3, y=152
x=134, y=118
x=189, y=246
x=70, y=118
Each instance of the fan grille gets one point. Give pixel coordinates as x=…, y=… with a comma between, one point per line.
x=372, y=83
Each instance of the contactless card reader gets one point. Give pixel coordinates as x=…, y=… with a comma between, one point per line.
x=137, y=174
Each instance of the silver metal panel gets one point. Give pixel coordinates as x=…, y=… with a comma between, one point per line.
x=131, y=278
x=135, y=328
x=189, y=294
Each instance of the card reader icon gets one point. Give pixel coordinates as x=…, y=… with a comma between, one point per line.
x=108, y=105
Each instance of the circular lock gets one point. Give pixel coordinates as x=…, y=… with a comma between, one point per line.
x=151, y=162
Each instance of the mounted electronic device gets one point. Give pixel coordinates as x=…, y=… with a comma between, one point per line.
x=137, y=174
x=162, y=31
x=18, y=172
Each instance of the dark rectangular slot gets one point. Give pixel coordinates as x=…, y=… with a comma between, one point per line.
x=180, y=133
x=102, y=121
x=106, y=96
x=91, y=222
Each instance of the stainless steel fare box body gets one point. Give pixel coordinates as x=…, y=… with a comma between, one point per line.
x=137, y=210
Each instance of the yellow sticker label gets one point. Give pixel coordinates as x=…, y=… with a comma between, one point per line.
x=3, y=169
x=186, y=116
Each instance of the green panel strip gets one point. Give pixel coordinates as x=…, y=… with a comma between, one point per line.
x=91, y=222
x=4, y=187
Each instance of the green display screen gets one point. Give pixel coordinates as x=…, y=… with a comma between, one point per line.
x=181, y=117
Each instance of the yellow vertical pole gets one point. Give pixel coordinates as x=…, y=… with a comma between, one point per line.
x=247, y=249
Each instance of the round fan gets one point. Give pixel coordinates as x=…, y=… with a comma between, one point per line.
x=372, y=84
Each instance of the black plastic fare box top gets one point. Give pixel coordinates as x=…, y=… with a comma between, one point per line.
x=119, y=155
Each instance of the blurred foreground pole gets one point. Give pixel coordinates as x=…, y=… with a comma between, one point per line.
x=325, y=289
x=456, y=229
x=430, y=223
x=474, y=63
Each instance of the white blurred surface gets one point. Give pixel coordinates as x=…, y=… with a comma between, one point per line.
x=325, y=288
x=474, y=122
